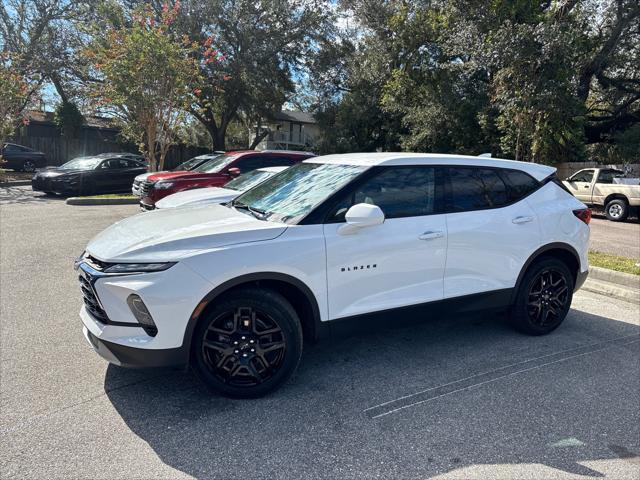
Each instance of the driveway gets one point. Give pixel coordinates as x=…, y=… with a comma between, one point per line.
x=463, y=397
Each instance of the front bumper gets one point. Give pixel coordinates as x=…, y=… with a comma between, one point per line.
x=130, y=357
x=114, y=332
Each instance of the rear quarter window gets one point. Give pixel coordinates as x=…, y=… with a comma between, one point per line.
x=519, y=184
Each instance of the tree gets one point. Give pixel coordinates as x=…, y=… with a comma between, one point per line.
x=259, y=46
x=149, y=77
x=540, y=81
x=16, y=91
x=44, y=38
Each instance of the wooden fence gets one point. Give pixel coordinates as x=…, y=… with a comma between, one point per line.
x=566, y=169
x=92, y=141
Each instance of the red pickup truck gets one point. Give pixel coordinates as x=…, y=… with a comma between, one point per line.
x=214, y=173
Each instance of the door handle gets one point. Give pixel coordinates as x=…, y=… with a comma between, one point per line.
x=519, y=220
x=431, y=234
x=586, y=186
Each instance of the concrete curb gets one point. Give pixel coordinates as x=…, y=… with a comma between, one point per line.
x=612, y=276
x=17, y=183
x=101, y=201
x=618, y=285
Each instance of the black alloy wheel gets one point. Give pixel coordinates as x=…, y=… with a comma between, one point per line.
x=28, y=166
x=547, y=297
x=249, y=344
x=543, y=298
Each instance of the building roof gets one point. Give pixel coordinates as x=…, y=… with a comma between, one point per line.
x=37, y=116
x=294, y=116
x=536, y=170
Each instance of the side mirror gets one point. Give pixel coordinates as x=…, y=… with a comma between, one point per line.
x=360, y=216
x=234, y=171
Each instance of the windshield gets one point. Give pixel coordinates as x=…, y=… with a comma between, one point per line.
x=82, y=163
x=292, y=194
x=215, y=164
x=248, y=180
x=194, y=162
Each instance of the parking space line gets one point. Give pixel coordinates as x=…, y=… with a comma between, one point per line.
x=476, y=380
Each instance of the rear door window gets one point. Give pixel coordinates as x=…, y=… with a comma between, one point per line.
x=474, y=189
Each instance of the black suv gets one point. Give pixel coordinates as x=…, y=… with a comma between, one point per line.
x=21, y=158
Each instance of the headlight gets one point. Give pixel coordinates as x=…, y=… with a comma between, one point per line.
x=163, y=185
x=138, y=267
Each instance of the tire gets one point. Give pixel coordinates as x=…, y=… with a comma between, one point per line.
x=28, y=166
x=543, y=298
x=617, y=210
x=242, y=360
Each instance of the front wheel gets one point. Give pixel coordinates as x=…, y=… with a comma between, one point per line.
x=543, y=298
x=249, y=344
x=616, y=210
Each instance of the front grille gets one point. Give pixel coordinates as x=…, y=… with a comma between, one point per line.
x=146, y=188
x=91, y=301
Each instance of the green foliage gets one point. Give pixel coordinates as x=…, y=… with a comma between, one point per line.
x=536, y=81
x=150, y=77
x=16, y=91
x=68, y=119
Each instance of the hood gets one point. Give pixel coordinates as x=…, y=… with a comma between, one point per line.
x=182, y=175
x=142, y=177
x=168, y=235
x=198, y=196
x=155, y=176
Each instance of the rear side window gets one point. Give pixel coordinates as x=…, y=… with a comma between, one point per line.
x=519, y=184
x=607, y=176
x=475, y=189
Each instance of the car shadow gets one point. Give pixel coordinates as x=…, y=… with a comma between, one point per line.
x=468, y=391
x=24, y=195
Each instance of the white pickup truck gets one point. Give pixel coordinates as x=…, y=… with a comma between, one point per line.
x=608, y=188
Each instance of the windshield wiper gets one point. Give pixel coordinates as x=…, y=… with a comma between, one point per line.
x=256, y=212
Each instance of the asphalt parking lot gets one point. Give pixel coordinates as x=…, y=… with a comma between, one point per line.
x=462, y=397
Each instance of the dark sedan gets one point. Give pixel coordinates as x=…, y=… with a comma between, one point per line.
x=88, y=176
x=17, y=157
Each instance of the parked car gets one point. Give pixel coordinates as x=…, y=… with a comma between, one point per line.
x=233, y=289
x=183, y=167
x=211, y=195
x=88, y=175
x=214, y=173
x=605, y=187
x=24, y=159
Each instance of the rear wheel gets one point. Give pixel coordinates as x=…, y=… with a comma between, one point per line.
x=543, y=298
x=249, y=344
x=28, y=166
x=616, y=210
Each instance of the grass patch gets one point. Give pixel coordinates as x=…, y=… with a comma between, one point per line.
x=614, y=262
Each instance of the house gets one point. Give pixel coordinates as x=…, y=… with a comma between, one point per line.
x=290, y=130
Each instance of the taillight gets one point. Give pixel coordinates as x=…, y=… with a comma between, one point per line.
x=583, y=214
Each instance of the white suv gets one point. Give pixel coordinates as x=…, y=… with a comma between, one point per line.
x=234, y=289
